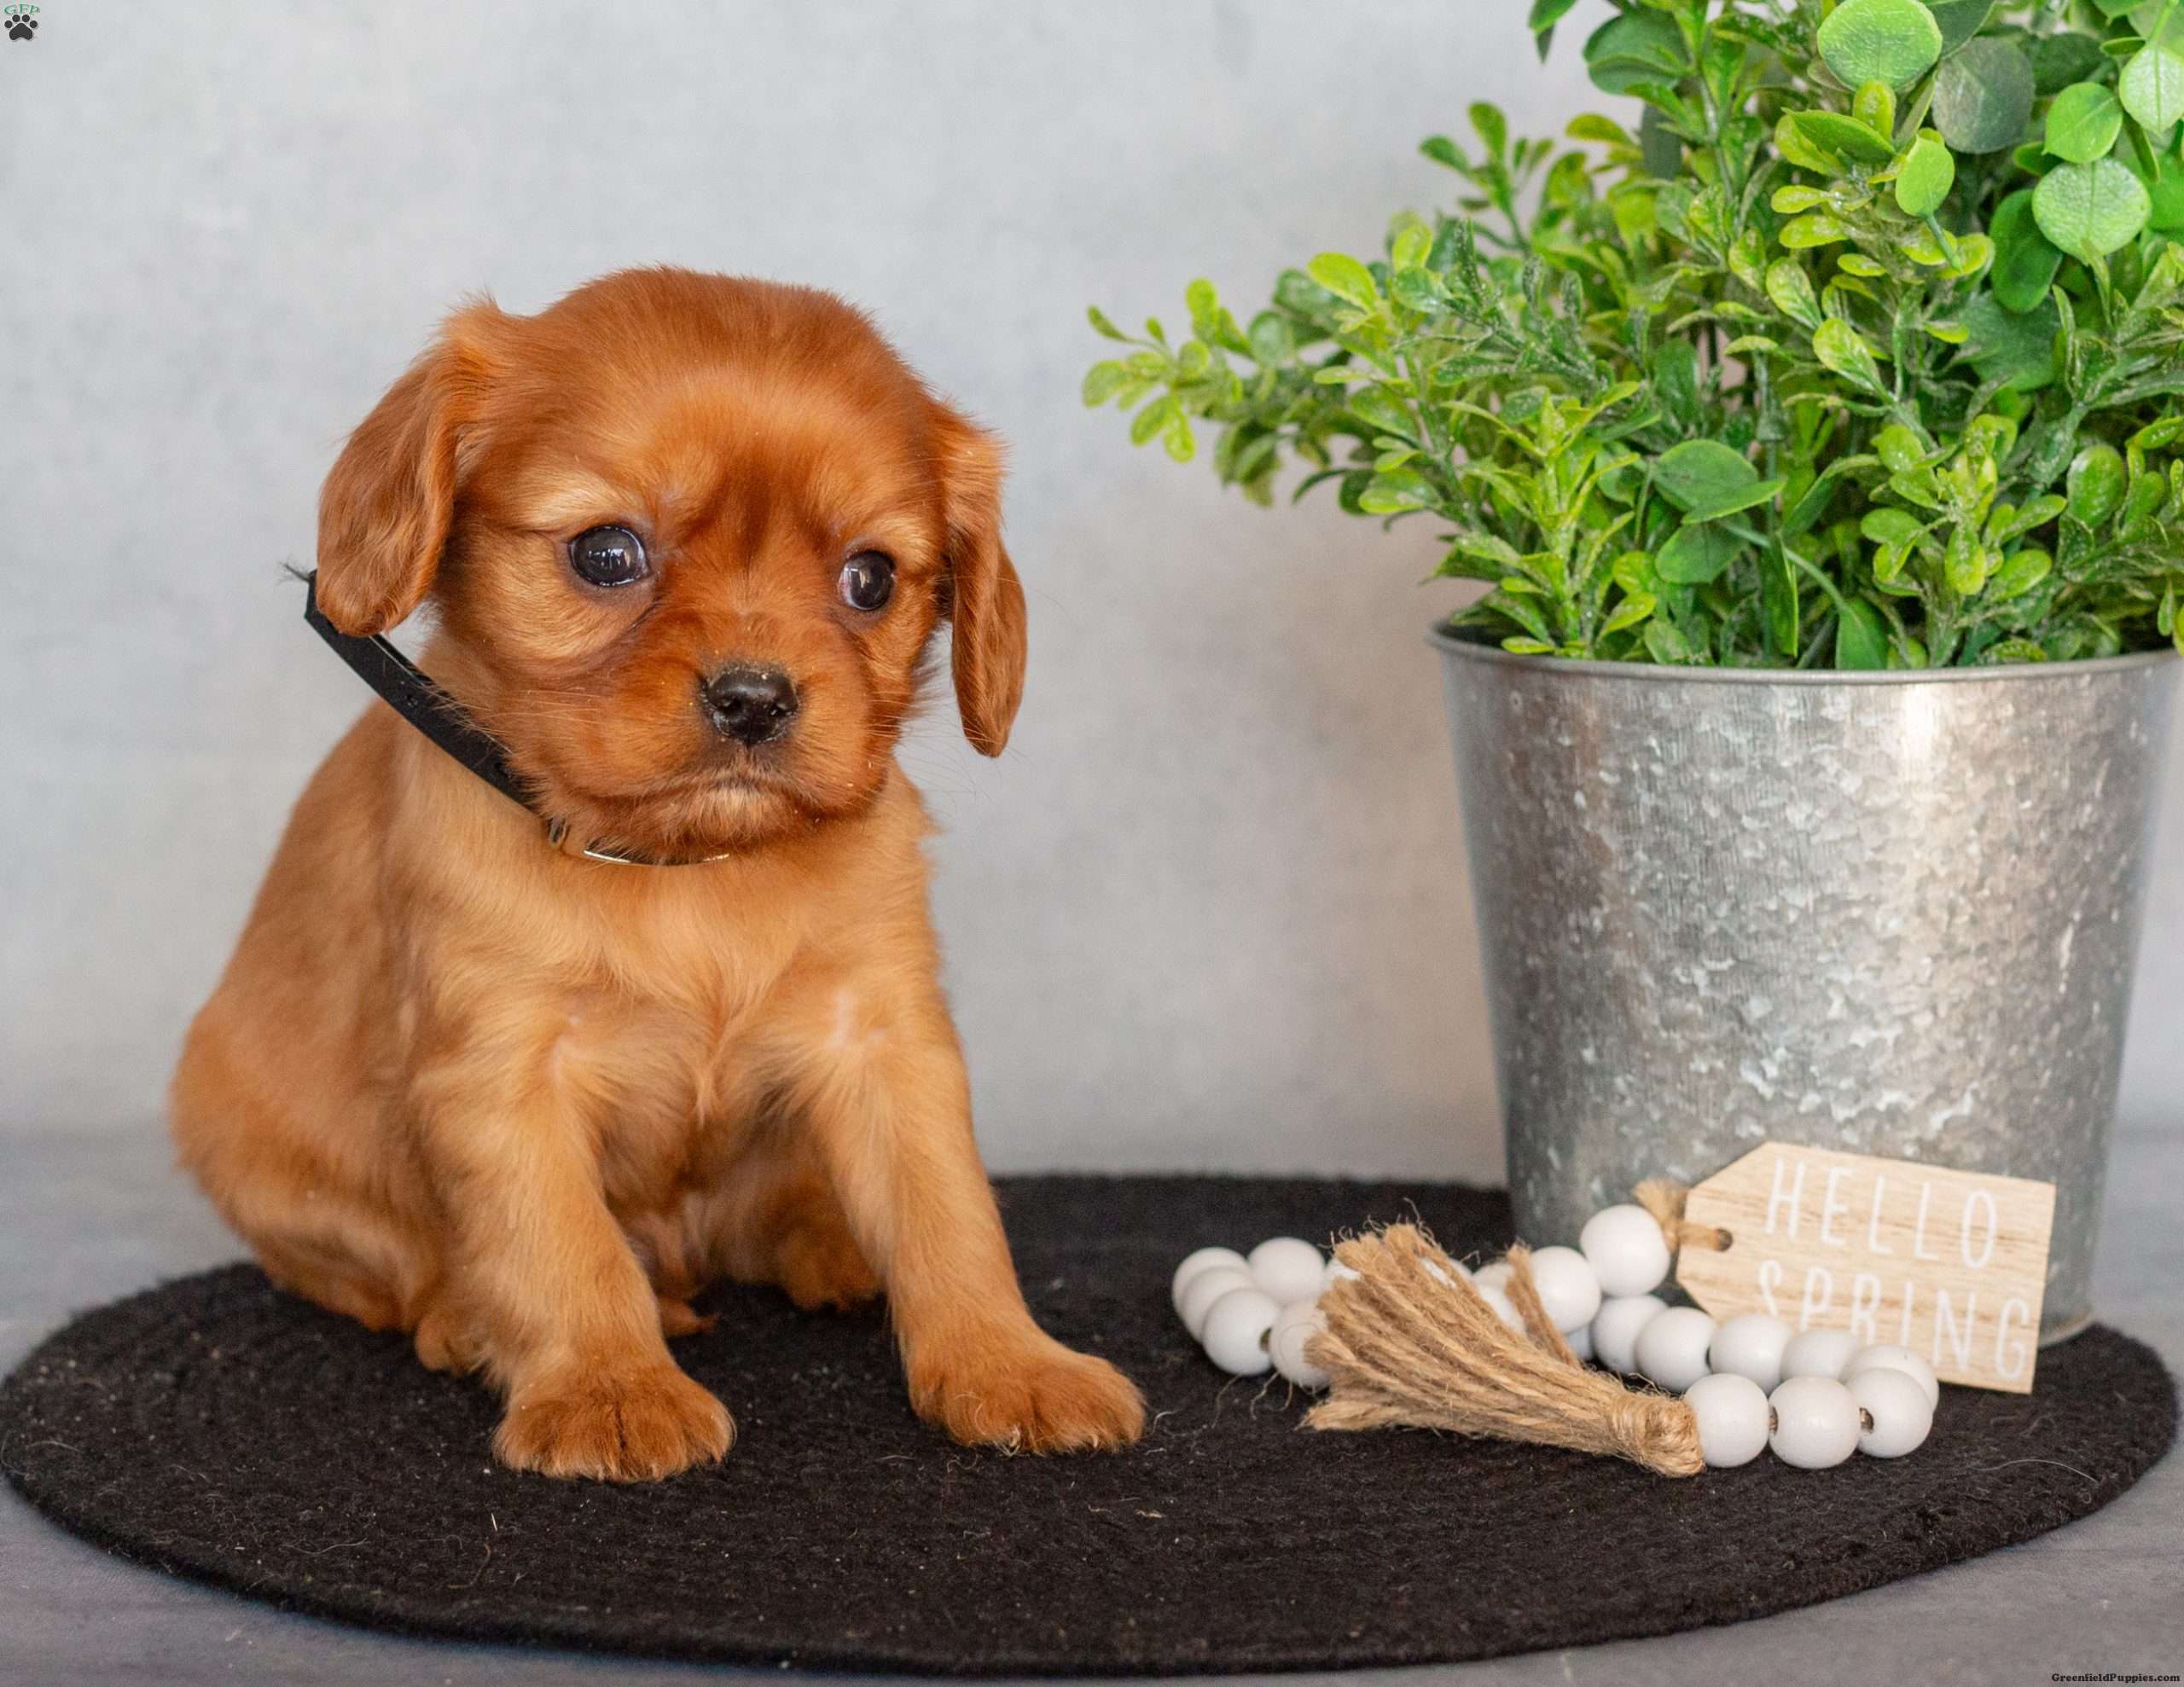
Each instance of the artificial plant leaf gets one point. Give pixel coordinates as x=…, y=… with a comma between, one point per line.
x=1153, y=419
x=2155, y=434
x=2158, y=24
x=1696, y=553
x=1659, y=146
x=1394, y=491
x=1899, y=449
x=1792, y=199
x=1629, y=612
x=1927, y=174
x=1982, y=96
x=1675, y=381
x=1176, y=438
x=1345, y=277
x=1790, y=289
x=2090, y=210
x=1665, y=644
x=1836, y=140
x=1778, y=602
x=1814, y=228
x=2166, y=193
x=1759, y=492
x=1635, y=47
x=1699, y=473
x=1491, y=127
x=1959, y=21
x=1103, y=381
x=2083, y=123
x=2020, y=573
x=1894, y=42
x=2014, y=348
x=2151, y=88
x=2025, y=260
x=1860, y=636
x=2060, y=59
x=1791, y=142
x=2094, y=485
x=1592, y=126
x=1842, y=349
x=1874, y=106
x=1273, y=340
x=1974, y=253
x=1964, y=562
x=1885, y=525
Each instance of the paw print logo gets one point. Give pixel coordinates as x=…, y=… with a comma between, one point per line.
x=21, y=27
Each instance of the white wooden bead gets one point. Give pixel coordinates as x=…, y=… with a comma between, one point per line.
x=1616, y=1327
x=1898, y=1416
x=1815, y=1422
x=1569, y=1293
x=1672, y=1348
x=1338, y=1273
x=1818, y=1353
x=1732, y=1414
x=1892, y=1358
x=1580, y=1342
x=1207, y=1287
x=1494, y=1275
x=1236, y=1328
x=1441, y=1276
x=1289, y=1269
x=1203, y=1260
x=1750, y=1345
x=1627, y=1250
x=1299, y=1322
x=1496, y=1296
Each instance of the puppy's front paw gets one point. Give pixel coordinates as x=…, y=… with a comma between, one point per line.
x=628, y=1426
x=1028, y=1394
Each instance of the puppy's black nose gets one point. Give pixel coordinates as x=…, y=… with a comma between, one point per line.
x=751, y=705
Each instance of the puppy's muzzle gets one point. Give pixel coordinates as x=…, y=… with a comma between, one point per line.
x=751, y=705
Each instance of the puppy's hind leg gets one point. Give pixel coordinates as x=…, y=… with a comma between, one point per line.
x=315, y=1228
x=778, y=1220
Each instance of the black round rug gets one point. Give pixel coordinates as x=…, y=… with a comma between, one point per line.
x=221, y=1429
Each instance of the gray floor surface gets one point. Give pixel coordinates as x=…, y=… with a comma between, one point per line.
x=85, y=1218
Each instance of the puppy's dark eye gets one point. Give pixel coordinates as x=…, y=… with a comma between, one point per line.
x=609, y=556
x=868, y=580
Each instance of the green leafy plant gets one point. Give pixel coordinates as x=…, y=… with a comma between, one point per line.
x=1864, y=347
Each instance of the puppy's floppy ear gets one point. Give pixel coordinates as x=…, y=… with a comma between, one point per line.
x=385, y=511
x=985, y=598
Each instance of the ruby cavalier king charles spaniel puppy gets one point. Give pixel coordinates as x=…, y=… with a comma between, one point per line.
x=687, y=539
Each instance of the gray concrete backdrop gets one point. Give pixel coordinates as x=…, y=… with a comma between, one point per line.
x=1208, y=911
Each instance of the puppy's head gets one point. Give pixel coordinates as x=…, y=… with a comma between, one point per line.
x=691, y=536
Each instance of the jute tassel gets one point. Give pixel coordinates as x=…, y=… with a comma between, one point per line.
x=1409, y=1341
x=1665, y=1201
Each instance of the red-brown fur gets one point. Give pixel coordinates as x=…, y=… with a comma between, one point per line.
x=524, y=1104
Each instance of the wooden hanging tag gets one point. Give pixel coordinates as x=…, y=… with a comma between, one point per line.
x=1951, y=1265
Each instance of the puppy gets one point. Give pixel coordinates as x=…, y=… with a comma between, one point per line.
x=688, y=538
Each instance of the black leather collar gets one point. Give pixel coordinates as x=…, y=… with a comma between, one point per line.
x=404, y=688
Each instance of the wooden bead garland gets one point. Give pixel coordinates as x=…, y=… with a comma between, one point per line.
x=1397, y=1333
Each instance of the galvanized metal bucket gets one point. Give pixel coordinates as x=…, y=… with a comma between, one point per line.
x=1887, y=913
